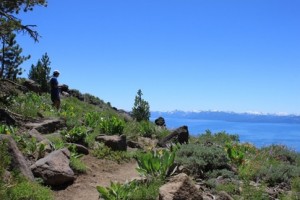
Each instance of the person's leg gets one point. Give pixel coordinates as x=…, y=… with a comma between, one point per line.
x=56, y=104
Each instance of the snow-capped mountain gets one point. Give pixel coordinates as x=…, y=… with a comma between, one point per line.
x=229, y=116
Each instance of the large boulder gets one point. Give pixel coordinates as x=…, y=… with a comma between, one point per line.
x=115, y=142
x=54, y=169
x=160, y=122
x=18, y=161
x=179, y=187
x=64, y=88
x=31, y=85
x=180, y=135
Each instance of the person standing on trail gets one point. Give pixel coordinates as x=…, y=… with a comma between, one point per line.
x=55, y=90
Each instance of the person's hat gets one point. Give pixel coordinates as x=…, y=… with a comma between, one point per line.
x=56, y=72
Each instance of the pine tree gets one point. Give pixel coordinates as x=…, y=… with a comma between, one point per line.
x=9, y=9
x=10, y=57
x=141, y=108
x=40, y=72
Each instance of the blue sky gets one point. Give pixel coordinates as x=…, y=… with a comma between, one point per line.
x=228, y=55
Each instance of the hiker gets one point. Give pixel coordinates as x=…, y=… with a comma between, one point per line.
x=55, y=90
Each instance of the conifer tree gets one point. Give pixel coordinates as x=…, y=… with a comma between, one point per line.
x=141, y=108
x=40, y=72
x=10, y=57
x=9, y=22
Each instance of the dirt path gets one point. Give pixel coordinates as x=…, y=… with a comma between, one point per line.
x=100, y=172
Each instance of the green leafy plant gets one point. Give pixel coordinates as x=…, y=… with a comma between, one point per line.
x=112, y=125
x=117, y=191
x=75, y=163
x=92, y=119
x=6, y=129
x=30, y=104
x=26, y=144
x=236, y=153
x=76, y=134
x=146, y=129
x=156, y=163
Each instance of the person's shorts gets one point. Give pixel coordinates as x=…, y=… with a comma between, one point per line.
x=55, y=96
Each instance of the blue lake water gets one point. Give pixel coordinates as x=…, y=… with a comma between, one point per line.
x=259, y=134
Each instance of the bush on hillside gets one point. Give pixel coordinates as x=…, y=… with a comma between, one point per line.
x=112, y=125
x=201, y=159
x=220, y=138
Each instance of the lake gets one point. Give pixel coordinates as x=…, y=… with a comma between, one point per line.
x=259, y=134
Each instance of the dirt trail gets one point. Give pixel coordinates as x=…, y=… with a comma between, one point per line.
x=100, y=172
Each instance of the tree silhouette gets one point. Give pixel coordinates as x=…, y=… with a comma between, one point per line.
x=40, y=72
x=10, y=57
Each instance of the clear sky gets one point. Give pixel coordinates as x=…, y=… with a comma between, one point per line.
x=228, y=55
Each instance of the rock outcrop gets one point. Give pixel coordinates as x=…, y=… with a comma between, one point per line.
x=115, y=142
x=180, y=135
x=18, y=161
x=160, y=122
x=54, y=169
x=179, y=187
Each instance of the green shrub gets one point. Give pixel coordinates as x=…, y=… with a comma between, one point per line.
x=92, y=119
x=230, y=188
x=148, y=190
x=274, y=164
x=26, y=190
x=6, y=129
x=237, y=152
x=30, y=104
x=112, y=125
x=104, y=152
x=283, y=154
x=57, y=142
x=27, y=145
x=200, y=159
x=275, y=174
x=253, y=193
x=75, y=163
x=76, y=134
x=146, y=129
x=156, y=163
x=117, y=191
x=220, y=138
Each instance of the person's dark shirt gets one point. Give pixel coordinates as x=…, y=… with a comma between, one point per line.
x=54, y=88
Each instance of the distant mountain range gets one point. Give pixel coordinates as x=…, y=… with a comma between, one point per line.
x=228, y=116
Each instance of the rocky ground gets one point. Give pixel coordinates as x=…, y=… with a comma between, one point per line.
x=100, y=172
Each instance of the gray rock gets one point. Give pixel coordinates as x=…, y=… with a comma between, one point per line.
x=115, y=142
x=180, y=135
x=179, y=187
x=18, y=160
x=31, y=85
x=54, y=169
